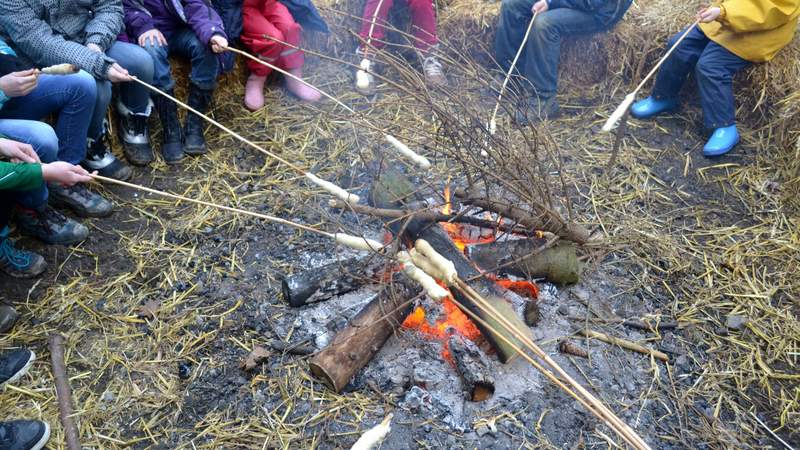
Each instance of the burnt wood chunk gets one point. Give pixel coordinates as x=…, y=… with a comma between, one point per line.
x=337, y=278
x=393, y=190
x=474, y=368
x=526, y=258
x=356, y=344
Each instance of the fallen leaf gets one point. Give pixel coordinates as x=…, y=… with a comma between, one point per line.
x=254, y=358
x=149, y=309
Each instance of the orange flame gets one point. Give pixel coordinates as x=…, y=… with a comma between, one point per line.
x=454, y=321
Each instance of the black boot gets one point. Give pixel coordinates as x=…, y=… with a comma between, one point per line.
x=199, y=99
x=172, y=143
x=99, y=158
x=135, y=135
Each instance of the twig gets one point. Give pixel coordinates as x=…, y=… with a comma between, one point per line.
x=625, y=344
x=65, y=411
x=772, y=433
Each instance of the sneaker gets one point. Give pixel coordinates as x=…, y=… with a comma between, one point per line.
x=100, y=159
x=195, y=141
x=365, y=80
x=8, y=317
x=434, y=74
x=18, y=263
x=15, y=364
x=134, y=133
x=536, y=109
x=80, y=199
x=254, y=92
x=24, y=435
x=50, y=226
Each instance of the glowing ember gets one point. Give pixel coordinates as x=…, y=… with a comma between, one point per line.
x=454, y=321
x=523, y=288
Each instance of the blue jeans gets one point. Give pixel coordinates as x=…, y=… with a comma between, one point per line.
x=539, y=60
x=184, y=42
x=134, y=96
x=714, y=67
x=73, y=98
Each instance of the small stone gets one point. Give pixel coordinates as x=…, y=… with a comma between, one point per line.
x=563, y=310
x=736, y=322
x=482, y=430
x=107, y=397
x=184, y=370
x=532, y=314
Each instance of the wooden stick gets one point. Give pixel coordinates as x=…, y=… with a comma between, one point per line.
x=623, y=107
x=492, y=121
x=625, y=344
x=65, y=411
x=328, y=186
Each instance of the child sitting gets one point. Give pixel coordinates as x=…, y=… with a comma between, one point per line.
x=373, y=30
x=189, y=28
x=266, y=25
x=731, y=36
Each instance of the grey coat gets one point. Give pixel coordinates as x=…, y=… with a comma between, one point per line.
x=47, y=32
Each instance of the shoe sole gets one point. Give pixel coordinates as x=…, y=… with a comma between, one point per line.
x=195, y=152
x=78, y=211
x=22, y=371
x=27, y=276
x=39, y=445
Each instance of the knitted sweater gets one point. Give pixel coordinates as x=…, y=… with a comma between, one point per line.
x=47, y=32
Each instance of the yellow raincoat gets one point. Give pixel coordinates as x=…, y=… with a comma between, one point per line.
x=754, y=30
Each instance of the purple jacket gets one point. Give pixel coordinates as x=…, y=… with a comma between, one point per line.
x=169, y=15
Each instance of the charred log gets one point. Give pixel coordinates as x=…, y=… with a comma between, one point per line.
x=393, y=190
x=474, y=368
x=527, y=258
x=355, y=345
x=337, y=278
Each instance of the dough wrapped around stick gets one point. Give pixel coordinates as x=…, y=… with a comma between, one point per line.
x=60, y=69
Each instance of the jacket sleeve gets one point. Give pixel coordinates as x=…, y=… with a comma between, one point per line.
x=203, y=19
x=583, y=5
x=35, y=39
x=106, y=24
x=743, y=16
x=20, y=177
x=137, y=21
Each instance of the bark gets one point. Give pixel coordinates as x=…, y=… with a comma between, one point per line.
x=392, y=190
x=355, y=345
x=474, y=368
x=323, y=283
x=63, y=392
x=558, y=264
x=545, y=220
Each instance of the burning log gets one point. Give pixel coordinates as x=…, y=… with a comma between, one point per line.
x=393, y=190
x=546, y=219
x=474, y=367
x=336, y=278
x=355, y=345
x=558, y=264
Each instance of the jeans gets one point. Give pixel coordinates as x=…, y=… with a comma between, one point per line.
x=73, y=98
x=134, y=96
x=184, y=42
x=44, y=141
x=538, y=63
x=714, y=68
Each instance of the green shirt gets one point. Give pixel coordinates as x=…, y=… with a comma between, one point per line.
x=20, y=177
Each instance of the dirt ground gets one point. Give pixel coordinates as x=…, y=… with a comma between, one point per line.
x=709, y=243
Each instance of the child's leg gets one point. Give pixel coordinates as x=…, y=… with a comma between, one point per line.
x=378, y=31
x=676, y=68
x=44, y=141
x=290, y=58
x=205, y=63
x=423, y=20
x=714, y=72
x=162, y=73
x=256, y=26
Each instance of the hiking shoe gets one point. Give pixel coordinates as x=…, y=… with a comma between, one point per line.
x=50, y=226
x=8, y=317
x=536, y=109
x=18, y=263
x=434, y=74
x=199, y=99
x=364, y=78
x=100, y=159
x=15, y=364
x=721, y=141
x=24, y=435
x=135, y=135
x=172, y=142
x=80, y=199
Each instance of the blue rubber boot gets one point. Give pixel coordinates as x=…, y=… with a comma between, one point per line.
x=721, y=141
x=651, y=107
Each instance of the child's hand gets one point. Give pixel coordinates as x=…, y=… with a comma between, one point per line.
x=540, y=7
x=152, y=37
x=118, y=74
x=18, y=151
x=65, y=173
x=19, y=84
x=218, y=43
x=709, y=14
